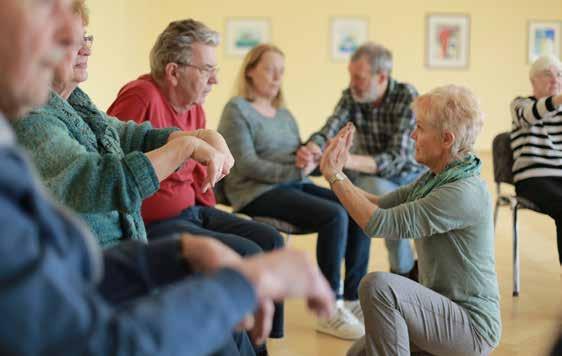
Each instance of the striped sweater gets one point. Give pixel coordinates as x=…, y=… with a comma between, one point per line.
x=536, y=138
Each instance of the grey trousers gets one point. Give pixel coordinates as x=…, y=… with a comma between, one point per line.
x=403, y=317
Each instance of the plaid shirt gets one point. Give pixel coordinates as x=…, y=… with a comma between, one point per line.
x=381, y=132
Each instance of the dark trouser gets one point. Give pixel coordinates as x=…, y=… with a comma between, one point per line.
x=130, y=273
x=244, y=236
x=238, y=345
x=546, y=193
x=309, y=206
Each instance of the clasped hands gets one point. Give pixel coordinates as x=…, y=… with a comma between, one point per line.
x=210, y=149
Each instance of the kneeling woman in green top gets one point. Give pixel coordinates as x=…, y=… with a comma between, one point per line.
x=454, y=310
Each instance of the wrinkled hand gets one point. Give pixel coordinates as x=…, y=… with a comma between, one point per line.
x=214, y=160
x=263, y=321
x=207, y=255
x=308, y=154
x=216, y=140
x=309, y=168
x=289, y=273
x=336, y=154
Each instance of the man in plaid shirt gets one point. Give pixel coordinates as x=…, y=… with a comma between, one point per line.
x=382, y=157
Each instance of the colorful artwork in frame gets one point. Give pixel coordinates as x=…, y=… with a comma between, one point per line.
x=242, y=34
x=448, y=41
x=347, y=34
x=544, y=39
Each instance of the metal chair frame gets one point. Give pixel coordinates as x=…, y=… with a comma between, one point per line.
x=502, y=157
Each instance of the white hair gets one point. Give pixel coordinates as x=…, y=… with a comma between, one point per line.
x=454, y=109
x=544, y=63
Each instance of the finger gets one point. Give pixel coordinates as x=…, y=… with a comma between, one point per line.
x=264, y=321
x=206, y=185
x=340, y=149
x=212, y=175
x=322, y=300
x=246, y=324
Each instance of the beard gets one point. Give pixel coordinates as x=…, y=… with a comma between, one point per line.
x=367, y=97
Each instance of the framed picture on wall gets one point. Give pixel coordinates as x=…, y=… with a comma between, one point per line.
x=447, y=41
x=544, y=38
x=242, y=34
x=346, y=35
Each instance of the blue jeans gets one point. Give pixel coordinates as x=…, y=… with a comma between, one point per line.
x=311, y=207
x=244, y=236
x=400, y=252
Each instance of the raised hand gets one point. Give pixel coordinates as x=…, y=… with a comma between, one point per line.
x=336, y=153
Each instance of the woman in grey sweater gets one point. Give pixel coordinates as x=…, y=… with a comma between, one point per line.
x=263, y=137
x=455, y=309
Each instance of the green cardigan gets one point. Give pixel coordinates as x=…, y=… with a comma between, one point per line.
x=94, y=163
x=453, y=230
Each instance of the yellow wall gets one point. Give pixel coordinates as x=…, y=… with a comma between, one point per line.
x=126, y=29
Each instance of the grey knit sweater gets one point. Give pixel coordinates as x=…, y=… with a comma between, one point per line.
x=264, y=149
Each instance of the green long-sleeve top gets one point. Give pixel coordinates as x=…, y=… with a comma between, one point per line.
x=264, y=149
x=454, y=238
x=94, y=163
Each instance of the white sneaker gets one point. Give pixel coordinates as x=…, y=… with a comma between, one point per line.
x=343, y=325
x=354, y=306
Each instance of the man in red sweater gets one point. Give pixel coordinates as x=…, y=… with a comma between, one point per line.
x=183, y=70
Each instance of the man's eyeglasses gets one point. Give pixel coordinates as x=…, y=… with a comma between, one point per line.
x=205, y=70
x=88, y=41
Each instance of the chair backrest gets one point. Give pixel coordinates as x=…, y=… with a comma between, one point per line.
x=220, y=194
x=502, y=157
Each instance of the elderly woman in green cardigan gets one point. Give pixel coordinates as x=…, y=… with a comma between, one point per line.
x=103, y=167
x=454, y=310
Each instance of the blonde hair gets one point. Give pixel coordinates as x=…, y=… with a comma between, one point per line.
x=244, y=87
x=79, y=8
x=454, y=109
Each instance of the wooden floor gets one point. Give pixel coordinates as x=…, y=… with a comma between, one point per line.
x=530, y=322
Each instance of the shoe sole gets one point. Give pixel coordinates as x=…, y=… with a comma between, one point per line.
x=327, y=332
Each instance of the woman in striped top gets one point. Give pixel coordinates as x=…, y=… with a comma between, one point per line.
x=536, y=141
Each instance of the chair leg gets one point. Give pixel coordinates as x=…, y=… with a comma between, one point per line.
x=516, y=276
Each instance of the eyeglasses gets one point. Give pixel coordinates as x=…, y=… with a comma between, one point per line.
x=88, y=41
x=205, y=70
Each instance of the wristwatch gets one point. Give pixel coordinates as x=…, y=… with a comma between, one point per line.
x=336, y=177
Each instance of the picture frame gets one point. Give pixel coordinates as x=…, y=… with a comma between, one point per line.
x=346, y=35
x=543, y=38
x=447, y=41
x=243, y=34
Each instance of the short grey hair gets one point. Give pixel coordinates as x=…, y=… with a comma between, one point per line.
x=379, y=57
x=454, y=109
x=544, y=63
x=174, y=45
